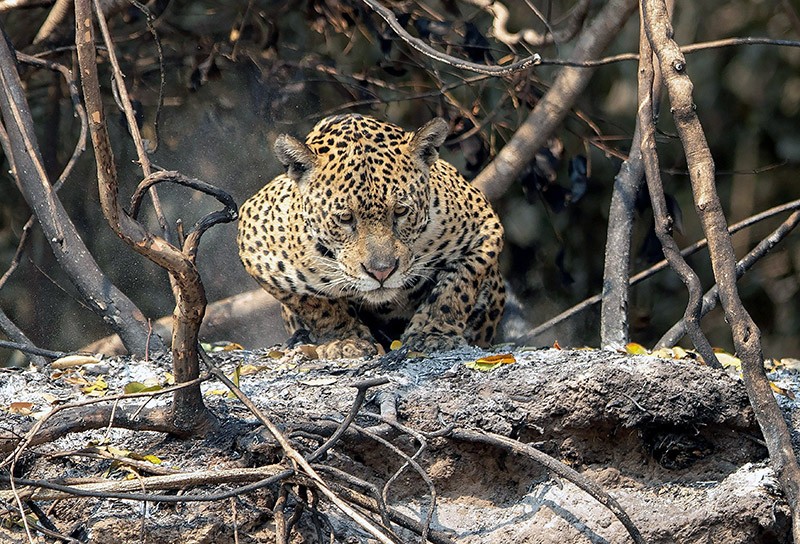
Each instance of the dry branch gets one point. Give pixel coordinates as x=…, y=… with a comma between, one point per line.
x=661, y=265
x=189, y=409
x=661, y=218
x=746, y=335
x=388, y=16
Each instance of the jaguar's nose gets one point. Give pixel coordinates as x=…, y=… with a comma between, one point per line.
x=380, y=270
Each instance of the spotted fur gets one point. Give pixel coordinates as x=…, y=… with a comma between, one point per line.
x=370, y=237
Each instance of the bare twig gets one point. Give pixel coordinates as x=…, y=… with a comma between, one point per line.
x=388, y=16
x=41, y=490
x=746, y=335
x=25, y=346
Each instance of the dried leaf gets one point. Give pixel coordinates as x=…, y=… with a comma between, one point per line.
x=249, y=369
x=490, y=362
x=781, y=390
x=727, y=360
x=139, y=387
x=74, y=360
x=308, y=350
x=502, y=358
x=788, y=363
x=275, y=354
x=317, y=382
x=97, y=388
x=556, y=345
x=21, y=408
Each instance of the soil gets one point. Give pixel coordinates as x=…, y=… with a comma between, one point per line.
x=674, y=442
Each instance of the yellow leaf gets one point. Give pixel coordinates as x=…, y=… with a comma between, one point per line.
x=727, y=360
x=216, y=391
x=74, y=360
x=118, y=452
x=275, y=354
x=781, y=390
x=633, y=348
x=154, y=459
x=482, y=367
x=502, y=358
x=97, y=388
x=679, y=353
x=246, y=370
x=169, y=378
x=395, y=345
x=490, y=362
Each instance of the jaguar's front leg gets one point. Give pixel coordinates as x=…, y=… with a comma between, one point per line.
x=332, y=324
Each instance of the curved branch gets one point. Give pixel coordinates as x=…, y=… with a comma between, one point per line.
x=388, y=16
x=661, y=217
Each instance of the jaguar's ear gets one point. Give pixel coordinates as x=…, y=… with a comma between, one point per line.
x=296, y=157
x=426, y=141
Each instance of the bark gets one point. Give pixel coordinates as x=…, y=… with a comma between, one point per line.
x=498, y=176
x=71, y=253
x=616, y=270
x=746, y=335
x=621, y=213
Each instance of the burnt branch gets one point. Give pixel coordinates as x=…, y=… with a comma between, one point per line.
x=388, y=16
x=297, y=459
x=616, y=267
x=189, y=410
x=746, y=335
x=661, y=265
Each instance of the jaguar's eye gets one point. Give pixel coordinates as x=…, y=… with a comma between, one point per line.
x=344, y=218
x=400, y=210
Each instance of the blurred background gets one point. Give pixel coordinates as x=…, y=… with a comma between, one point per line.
x=238, y=73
